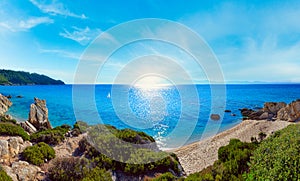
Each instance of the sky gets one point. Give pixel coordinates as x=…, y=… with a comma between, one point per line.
x=253, y=41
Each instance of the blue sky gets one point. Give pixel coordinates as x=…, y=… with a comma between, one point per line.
x=252, y=40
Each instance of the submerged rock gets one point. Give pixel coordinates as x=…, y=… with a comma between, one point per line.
x=5, y=103
x=38, y=115
x=215, y=117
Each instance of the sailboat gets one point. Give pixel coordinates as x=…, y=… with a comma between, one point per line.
x=108, y=95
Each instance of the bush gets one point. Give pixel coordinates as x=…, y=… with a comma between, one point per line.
x=278, y=156
x=38, y=153
x=74, y=169
x=231, y=164
x=10, y=129
x=4, y=176
x=165, y=177
x=111, y=141
x=4, y=119
x=50, y=136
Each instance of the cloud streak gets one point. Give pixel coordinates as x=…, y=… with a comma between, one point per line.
x=55, y=8
x=25, y=24
x=81, y=35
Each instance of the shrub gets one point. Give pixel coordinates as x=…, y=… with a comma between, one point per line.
x=278, y=156
x=111, y=145
x=4, y=176
x=80, y=125
x=38, y=153
x=73, y=169
x=10, y=129
x=4, y=119
x=231, y=164
x=165, y=177
x=50, y=136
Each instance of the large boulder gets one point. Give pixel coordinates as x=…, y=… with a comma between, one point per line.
x=10, y=147
x=38, y=115
x=273, y=107
x=5, y=103
x=23, y=171
x=290, y=113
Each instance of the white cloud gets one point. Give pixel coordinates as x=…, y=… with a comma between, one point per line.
x=81, y=35
x=25, y=24
x=55, y=8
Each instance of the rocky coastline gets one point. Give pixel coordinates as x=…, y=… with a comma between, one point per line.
x=22, y=145
x=69, y=145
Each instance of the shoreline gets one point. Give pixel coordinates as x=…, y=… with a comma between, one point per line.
x=198, y=155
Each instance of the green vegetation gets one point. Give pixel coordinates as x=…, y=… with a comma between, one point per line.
x=275, y=158
x=278, y=156
x=164, y=177
x=96, y=161
x=50, y=136
x=4, y=176
x=114, y=143
x=9, y=77
x=10, y=129
x=76, y=169
x=39, y=153
x=231, y=164
x=4, y=119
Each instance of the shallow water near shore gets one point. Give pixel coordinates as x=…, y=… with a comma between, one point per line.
x=161, y=106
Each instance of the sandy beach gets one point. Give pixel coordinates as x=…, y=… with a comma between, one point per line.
x=199, y=155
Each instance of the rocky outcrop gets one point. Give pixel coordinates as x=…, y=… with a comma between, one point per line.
x=274, y=111
x=290, y=113
x=27, y=126
x=38, y=115
x=4, y=104
x=23, y=171
x=273, y=107
x=10, y=147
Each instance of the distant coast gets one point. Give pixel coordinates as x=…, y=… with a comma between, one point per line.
x=10, y=77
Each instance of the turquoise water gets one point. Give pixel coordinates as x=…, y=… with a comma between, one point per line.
x=155, y=111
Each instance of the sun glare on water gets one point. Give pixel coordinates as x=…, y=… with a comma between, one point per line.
x=151, y=82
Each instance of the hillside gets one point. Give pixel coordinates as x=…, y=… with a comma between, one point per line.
x=10, y=77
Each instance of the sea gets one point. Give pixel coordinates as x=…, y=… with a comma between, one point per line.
x=173, y=115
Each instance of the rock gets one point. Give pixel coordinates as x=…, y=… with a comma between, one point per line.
x=9, y=97
x=10, y=173
x=215, y=117
x=290, y=113
x=5, y=103
x=273, y=107
x=264, y=115
x=27, y=126
x=228, y=111
x=11, y=148
x=25, y=171
x=251, y=114
x=4, y=151
x=38, y=115
x=8, y=117
x=19, y=96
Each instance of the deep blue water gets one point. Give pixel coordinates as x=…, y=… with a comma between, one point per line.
x=172, y=115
